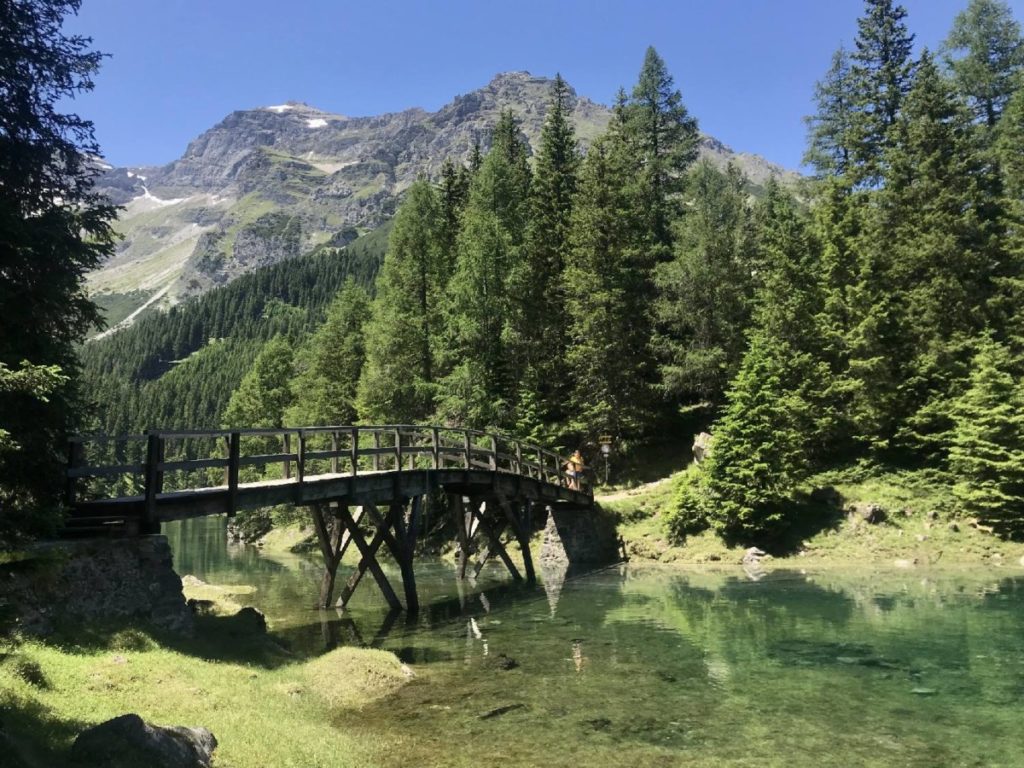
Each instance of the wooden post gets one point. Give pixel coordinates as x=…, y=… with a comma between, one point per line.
x=519, y=458
x=300, y=465
x=287, y=440
x=234, y=449
x=435, y=438
x=407, y=548
x=376, y=445
x=354, y=450
x=333, y=544
x=494, y=454
x=334, y=451
x=150, y=520
x=468, y=452
x=398, y=450
x=519, y=517
x=494, y=537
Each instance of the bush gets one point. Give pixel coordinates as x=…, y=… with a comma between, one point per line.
x=688, y=513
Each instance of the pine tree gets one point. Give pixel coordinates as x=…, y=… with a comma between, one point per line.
x=986, y=451
x=399, y=380
x=880, y=76
x=664, y=139
x=705, y=291
x=265, y=392
x=331, y=362
x=985, y=53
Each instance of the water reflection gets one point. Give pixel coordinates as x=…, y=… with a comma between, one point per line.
x=653, y=665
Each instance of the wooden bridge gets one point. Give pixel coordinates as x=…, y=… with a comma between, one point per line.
x=368, y=487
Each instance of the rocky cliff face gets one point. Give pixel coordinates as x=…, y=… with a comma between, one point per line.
x=266, y=184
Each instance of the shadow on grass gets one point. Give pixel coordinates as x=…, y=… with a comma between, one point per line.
x=807, y=516
x=230, y=639
x=31, y=736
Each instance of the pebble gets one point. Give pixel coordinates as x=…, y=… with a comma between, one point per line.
x=924, y=691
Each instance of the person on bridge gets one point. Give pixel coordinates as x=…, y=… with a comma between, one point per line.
x=574, y=469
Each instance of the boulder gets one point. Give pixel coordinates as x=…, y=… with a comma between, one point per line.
x=129, y=740
x=866, y=511
x=701, y=446
x=249, y=621
x=828, y=496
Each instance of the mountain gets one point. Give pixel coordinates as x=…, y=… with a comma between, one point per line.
x=269, y=184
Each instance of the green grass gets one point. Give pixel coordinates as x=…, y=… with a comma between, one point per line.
x=264, y=705
x=115, y=307
x=921, y=527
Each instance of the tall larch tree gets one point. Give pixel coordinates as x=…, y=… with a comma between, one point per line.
x=664, y=139
x=934, y=223
x=704, y=294
x=985, y=54
x=830, y=129
x=482, y=383
x=265, y=394
x=880, y=75
x=607, y=296
x=406, y=326
x=540, y=326
x=330, y=363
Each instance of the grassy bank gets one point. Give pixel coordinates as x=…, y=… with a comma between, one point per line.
x=919, y=529
x=265, y=705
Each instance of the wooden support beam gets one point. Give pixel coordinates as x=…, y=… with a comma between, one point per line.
x=462, y=531
x=334, y=540
x=495, y=540
x=408, y=546
x=519, y=517
x=487, y=550
x=368, y=560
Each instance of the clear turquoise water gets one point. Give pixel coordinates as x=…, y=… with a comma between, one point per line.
x=662, y=666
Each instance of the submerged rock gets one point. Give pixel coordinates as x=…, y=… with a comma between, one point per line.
x=129, y=740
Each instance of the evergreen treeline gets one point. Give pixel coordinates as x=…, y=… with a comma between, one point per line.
x=575, y=294
x=177, y=370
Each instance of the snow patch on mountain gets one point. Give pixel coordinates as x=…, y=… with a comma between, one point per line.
x=317, y=122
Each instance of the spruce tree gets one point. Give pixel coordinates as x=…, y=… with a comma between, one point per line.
x=985, y=53
x=986, y=451
x=704, y=293
x=406, y=326
x=331, y=362
x=757, y=455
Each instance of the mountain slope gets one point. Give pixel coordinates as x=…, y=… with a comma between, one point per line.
x=268, y=184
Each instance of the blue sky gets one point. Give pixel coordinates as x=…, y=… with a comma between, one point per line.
x=746, y=68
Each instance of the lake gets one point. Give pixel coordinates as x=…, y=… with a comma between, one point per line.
x=645, y=665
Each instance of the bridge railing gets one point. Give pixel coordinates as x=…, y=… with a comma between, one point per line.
x=101, y=466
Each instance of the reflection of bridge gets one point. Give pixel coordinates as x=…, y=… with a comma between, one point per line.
x=355, y=481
